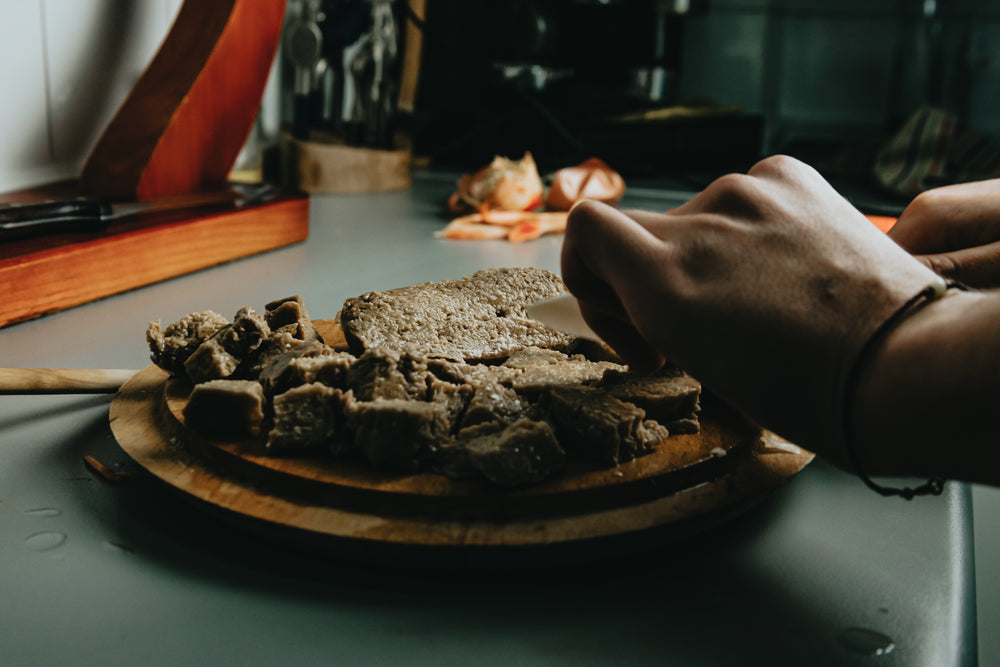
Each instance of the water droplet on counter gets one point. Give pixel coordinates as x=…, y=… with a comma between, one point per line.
x=866, y=642
x=43, y=512
x=45, y=540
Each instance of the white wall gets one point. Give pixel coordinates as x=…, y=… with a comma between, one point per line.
x=67, y=65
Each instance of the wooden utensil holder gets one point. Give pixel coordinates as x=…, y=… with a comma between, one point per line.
x=324, y=164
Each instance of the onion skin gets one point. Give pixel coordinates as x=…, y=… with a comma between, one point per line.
x=504, y=184
x=592, y=179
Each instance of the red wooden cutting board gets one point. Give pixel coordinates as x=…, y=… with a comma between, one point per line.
x=52, y=273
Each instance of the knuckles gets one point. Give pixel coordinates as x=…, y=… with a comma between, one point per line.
x=734, y=194
x=928, y=204
x=586, y=215
x=778, y=165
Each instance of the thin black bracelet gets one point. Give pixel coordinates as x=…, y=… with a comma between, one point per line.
x=935, y=485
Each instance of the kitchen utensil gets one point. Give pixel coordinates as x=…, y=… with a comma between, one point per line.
x=358, y=64
x=62, y=380
x=304, y=43
x=562, y=313
x=94, y=214
x=370, y=64
x=384, y=46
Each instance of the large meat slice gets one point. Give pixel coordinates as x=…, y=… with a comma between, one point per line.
x=475, y=318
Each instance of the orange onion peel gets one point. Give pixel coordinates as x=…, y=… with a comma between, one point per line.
x=524, y=226
x=504, y=185
x=592, y=179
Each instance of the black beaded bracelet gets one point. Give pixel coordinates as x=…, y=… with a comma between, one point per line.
x=935, y=485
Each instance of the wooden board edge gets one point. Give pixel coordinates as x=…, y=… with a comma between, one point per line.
x=144, y=438
x=59, y=278
x=679, y=462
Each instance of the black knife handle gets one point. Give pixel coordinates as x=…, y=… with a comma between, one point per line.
x=77, y=214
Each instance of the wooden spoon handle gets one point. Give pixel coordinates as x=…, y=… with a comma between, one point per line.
x=62, y=380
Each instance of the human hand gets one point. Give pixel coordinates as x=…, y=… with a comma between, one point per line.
x=764, y=287
x=955, y=230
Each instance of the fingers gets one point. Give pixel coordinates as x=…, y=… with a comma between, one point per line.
x=603, y=250
x=976, y=267
x=950, y=218
x=603, y=259
x=916, y=234
x=625, y=340
x=955, y=230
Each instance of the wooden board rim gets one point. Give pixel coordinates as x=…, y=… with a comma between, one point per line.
x=138, y=423
x=675, y=465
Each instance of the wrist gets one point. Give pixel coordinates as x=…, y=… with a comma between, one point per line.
x=896, y=412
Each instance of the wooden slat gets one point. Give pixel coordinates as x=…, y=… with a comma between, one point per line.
x=62, y=380
x=185, y=121
x=410, y=75
x=50, y=274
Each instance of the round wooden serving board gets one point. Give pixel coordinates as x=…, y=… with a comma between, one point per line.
x=728, y=465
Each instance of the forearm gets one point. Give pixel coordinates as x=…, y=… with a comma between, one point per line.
x=928, y=400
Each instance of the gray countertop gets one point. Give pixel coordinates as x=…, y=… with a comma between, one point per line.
x=823, y=572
